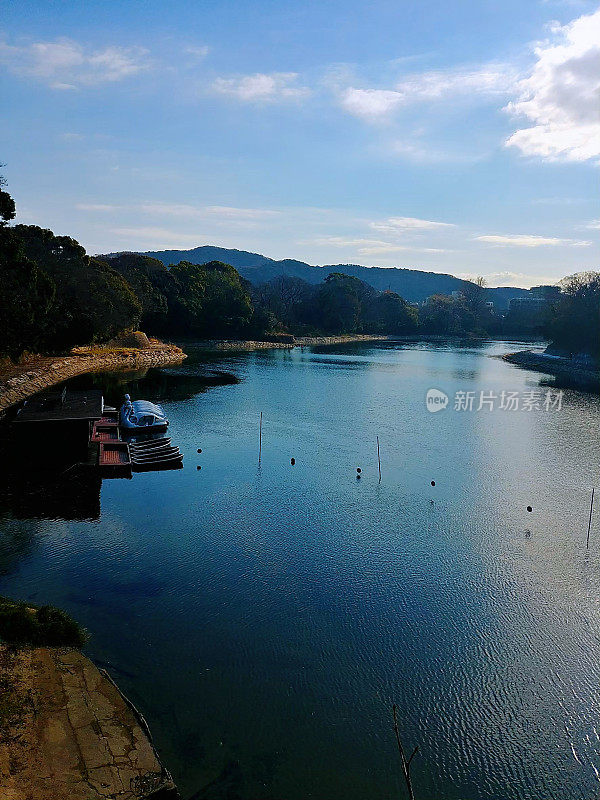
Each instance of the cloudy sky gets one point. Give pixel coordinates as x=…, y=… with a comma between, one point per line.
x=458, y=137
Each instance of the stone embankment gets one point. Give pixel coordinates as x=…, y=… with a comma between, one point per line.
x=67, y=733
x=565, y=370
x=39, y=373
x=300, y=341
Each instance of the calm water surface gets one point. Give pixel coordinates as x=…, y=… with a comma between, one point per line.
x=264, y=618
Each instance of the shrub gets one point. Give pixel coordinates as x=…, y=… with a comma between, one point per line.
x=40, y=626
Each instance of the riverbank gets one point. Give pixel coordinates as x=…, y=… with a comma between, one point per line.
x=67, y=733
x=561, y=368
x=20, y=381
x=212, y=345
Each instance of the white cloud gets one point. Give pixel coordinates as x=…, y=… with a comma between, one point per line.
x=230, y=213
x=66, y=64
x=403, y=224
x=393, y=248
x=423, y=153
x=426, y=87
x=346, y=241
x=594, y=225
x=370, y=103
x=140, y=236
x=262, y=87
x=96, y=207
x=198, y=52
x=509, y=278
x=184, y=210
x=561, y=96
x=525, y=240
x=365, y=246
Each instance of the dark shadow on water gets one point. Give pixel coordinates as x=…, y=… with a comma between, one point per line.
x=154, y=384
x=45, y=475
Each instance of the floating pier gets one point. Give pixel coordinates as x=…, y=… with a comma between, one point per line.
x=106, y=450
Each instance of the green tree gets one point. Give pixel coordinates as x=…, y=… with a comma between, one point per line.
x=208, y=300
x=388, y=313
x=152, y=283
x=446, y=316
x=573, y=322
x=27, y=293
x=340, y=301
x=92, y=301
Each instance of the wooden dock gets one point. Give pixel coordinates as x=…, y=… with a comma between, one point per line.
x=114, y=459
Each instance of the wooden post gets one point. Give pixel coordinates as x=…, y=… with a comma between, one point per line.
x=260, y=438
x=590, y=520
x=379, y=459
x=405, y=761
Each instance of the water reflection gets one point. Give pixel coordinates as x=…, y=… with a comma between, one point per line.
x=265, y=620
x=178, y=383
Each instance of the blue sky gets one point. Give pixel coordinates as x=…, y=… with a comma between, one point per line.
x=457, y=137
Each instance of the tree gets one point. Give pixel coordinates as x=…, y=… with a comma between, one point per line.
x=388, y=313
x=7, y=204
x=446, y=316
x=26, y=297
x=152, y=283
x=288, y=299
x=208, y=300
x=92, y=302
x=27, y=293
x=573, y=322
x=475, y=301
x=340, y=301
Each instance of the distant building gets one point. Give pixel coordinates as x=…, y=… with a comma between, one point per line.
x=545, y=292
x=529, y=310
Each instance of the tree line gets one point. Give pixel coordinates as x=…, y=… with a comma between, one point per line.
x=55, y=296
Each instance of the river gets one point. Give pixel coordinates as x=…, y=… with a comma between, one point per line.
x=264, y=617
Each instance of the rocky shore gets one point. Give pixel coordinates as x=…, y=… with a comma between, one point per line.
x=300, y=341
x=67, y=733
x=565, y=370
x=19, y=382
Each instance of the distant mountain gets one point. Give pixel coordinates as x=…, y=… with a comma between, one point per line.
x=412, y=284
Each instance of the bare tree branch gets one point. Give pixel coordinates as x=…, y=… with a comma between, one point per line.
x=405, y=762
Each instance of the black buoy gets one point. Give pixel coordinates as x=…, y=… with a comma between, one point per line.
x=529, y=508
x=292, y=461
x=198, y=467
x=199, y=449
x=359, y=470
x=433, y=483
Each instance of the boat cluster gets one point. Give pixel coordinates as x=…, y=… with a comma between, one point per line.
x=155, y=453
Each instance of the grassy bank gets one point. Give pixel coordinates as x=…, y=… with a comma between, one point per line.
x=38, y=626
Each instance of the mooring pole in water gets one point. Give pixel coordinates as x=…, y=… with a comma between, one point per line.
x=260, y=438
x=590, y=520
x=379, y=459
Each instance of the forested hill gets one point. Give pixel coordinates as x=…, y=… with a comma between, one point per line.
x=414, y=285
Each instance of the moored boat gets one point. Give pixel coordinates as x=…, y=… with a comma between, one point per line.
x=142, y=416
